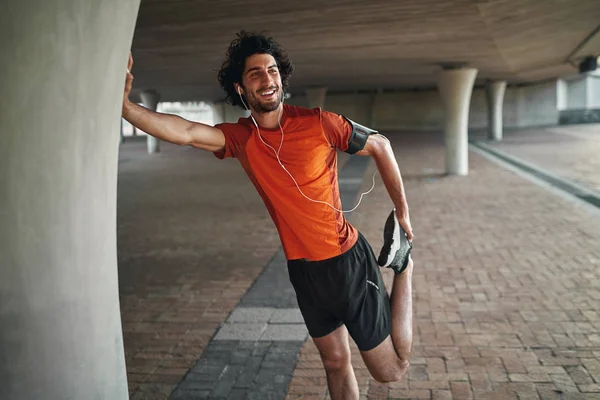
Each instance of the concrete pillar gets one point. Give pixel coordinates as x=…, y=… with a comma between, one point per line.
x=562, y=93
x=121, y=135
x=150, y=99
x=316, y=97
x=455, y=86
x=495, y=98
x=60, y=323
x=578, y=93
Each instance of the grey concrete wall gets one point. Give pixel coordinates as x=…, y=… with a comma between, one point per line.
x=62, y=74
x=582, y=116
x=422, y=110
x=594, y=92
x=577, y=93
x=536, y=105
x=223, y=112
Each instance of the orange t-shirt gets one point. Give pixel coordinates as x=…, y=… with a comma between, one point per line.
x=308, y=230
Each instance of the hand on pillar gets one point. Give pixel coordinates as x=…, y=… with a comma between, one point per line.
x=128, y=80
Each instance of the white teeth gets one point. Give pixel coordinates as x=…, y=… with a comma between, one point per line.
x=268, y=93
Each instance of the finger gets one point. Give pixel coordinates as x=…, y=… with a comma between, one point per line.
x=408, y=230
x=130, y=62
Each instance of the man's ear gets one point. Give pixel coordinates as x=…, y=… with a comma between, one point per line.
x=238, y=89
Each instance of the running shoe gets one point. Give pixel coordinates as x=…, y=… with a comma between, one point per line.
x=396, y=248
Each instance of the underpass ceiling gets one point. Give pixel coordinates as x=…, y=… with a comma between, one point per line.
x=347, y=45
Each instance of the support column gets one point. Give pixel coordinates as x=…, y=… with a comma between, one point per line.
x=150, y=99
x=495, y=99
x=316, y=97
x=562, y=92
x=455, y=86
x=122, y=136
x=60, y=323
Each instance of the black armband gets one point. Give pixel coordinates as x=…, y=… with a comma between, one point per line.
x=358, y=137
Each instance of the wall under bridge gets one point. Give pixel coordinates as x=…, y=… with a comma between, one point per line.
x=422, y=110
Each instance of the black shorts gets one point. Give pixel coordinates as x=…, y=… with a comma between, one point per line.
x=346, y=289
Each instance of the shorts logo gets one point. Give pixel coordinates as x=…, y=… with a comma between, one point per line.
x=372, y=284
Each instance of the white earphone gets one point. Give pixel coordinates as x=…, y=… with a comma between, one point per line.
x=276, y=152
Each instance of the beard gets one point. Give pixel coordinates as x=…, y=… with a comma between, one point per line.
x=265, y=107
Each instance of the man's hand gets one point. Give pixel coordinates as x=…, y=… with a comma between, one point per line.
x=128, y=80
x=404, y=221
x=168, y=127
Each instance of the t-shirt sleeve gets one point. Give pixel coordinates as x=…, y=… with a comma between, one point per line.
x=236, y=136
x=336, y=129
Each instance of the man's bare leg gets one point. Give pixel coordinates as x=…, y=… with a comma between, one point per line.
x=388, y=362
x=335, y=354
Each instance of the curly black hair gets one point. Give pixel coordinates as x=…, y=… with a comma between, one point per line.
x=245, y=45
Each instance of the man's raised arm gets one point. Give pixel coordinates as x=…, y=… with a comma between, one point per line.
x=167, y=127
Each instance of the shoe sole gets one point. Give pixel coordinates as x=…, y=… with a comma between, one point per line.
x=390, y=242
x=393, y=238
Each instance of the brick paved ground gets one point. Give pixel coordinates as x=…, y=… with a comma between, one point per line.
x=511, y=313
x=570, y=151
x=506, y=286
x=192, y=237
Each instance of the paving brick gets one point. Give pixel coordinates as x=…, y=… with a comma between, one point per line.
x=534, y=369
x=429, y=384
x=530, y=378
x=441, y=395
x=451, y=376
x=436, y=365
x=251, y=314
x=241, y=331
x=238, y=394
x=579, y=375
x=285, y=332
x=564, y=383
x=461, y=390
x=409, y=394
x=287, y=315
x=249, y=372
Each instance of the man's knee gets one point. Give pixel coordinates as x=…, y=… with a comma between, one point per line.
x=335, y=361
x=392, y=373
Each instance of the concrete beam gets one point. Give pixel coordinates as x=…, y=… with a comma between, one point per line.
x=60, y=323
x=455, y=86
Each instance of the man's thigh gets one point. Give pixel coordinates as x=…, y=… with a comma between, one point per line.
x=383, y=363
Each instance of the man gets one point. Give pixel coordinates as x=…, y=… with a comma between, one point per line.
x=289, y=153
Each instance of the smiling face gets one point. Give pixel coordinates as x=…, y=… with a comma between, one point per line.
x=262, y=83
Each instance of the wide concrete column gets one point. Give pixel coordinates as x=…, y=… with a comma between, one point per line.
x=150, y=99
x=316, y=97
x=121, y=134
x=455, y=86
x=495, y=98
x=62, y=85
